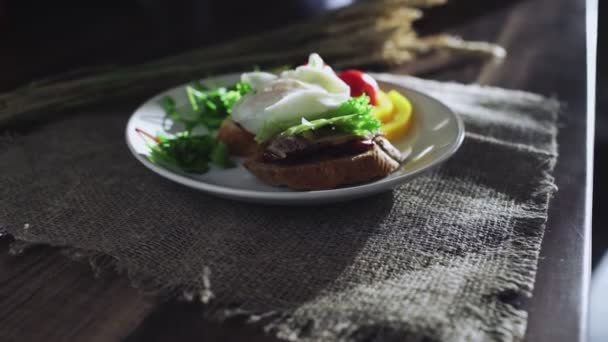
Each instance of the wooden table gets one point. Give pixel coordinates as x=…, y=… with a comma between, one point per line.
x=44, y=297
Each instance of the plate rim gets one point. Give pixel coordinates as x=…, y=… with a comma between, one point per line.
x=257, y=195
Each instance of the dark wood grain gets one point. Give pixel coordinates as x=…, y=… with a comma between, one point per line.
x=44, y=297
x=557, y=309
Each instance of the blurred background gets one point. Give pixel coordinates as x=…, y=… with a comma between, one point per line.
x=600, y=198
x=124, y=32
x=43, y=38
x=599, y=284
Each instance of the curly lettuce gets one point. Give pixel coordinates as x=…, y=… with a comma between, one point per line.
x=353, y=116
x=357, y=124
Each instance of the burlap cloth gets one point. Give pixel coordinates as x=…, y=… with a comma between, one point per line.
x=447, y=257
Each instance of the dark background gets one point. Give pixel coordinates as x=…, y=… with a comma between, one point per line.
x=42, y=38
x=600, y=189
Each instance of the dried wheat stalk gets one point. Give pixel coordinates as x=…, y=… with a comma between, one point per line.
x=372, y=33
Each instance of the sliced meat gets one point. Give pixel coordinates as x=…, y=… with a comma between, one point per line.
x=282, y=147
x=391, y=150
x=302, y=146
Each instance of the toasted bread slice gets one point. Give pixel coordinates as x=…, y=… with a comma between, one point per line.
x=325, y=173
x=239, y=141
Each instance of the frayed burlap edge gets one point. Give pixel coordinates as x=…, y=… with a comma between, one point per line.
x=281, y=323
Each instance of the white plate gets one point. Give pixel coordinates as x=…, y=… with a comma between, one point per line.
x=436, y=134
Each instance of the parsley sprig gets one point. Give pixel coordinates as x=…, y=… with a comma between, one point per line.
x=190, y=154
x=186, y=151
x=209, y=107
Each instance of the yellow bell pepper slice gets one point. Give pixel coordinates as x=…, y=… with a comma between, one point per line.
x=384, y=107
x=401, y=117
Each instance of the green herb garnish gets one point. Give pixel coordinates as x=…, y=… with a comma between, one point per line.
x=220, y=156
x=192, y=153
x=208, y=107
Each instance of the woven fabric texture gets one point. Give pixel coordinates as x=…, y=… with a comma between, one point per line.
x=449, y=256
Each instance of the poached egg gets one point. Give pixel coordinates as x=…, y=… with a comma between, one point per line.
x=302, y=93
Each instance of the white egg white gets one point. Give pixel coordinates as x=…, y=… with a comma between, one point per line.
x=306, y=91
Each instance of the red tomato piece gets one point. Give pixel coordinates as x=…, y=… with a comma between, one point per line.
x=359, y=83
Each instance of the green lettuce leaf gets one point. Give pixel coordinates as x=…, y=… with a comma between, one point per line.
x=357, y=124
x=353, y=116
